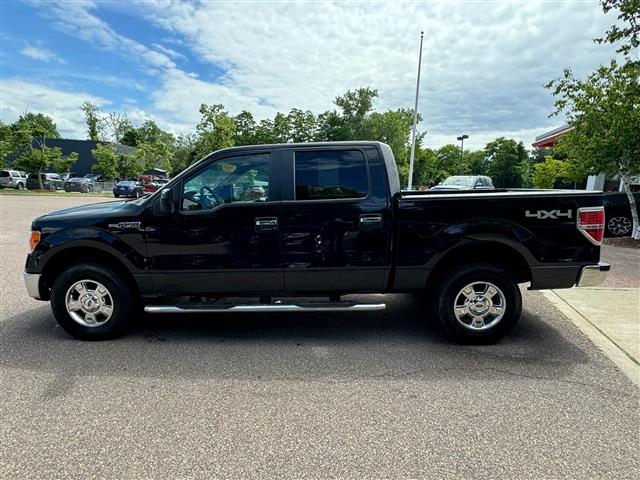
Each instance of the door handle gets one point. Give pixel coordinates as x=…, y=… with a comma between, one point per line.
x=266, y=224
x=371, y=221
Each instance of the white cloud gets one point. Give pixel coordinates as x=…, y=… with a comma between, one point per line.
x=483, y=69
x=40, y=53
x=19, y=95
x=484, y=64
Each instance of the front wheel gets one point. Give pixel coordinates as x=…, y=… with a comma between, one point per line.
x=92, y=302
x=478, y=303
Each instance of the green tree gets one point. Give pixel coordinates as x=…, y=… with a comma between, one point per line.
x=119, y=125
x=216, y=130
x=245, y=128
x=393, y=127
x=7, y=143
x=604, y=111
x=95, y=121
x=29, y=135
x=183, y=152
x=302, y=125
x=627, y=32
x=37, y=122
x=475, y=163
x=507, y=162
x=153, y=155
x=105, y=160
x=546, y=174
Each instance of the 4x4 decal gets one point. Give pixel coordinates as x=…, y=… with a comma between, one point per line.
x=547, y=214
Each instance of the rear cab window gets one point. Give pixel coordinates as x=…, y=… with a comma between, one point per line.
x=330, y=175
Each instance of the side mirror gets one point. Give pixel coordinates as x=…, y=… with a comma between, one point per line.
x=165, y=203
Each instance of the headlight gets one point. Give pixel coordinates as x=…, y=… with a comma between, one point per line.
x=33, y=240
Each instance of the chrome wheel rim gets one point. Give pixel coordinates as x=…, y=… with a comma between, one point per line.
x=479, y=306
x=89, y=303
x=619, y=225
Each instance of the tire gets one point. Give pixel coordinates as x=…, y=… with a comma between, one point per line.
x=619, y=226
x=76, y=320
x=117, y=196
x=20, y=186
x=484, y=317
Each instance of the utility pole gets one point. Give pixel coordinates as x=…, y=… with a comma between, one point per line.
x=415, y=119
x=461, y=138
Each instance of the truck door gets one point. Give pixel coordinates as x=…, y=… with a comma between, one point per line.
x=335, y=220
x=228, y=227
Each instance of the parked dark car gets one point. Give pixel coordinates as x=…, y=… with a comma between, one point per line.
x=50, y=181
x=13, y=179
x=327, y=220
x=128, y=188
x=465, y=182
x=82, y=184
x=69, y=175
x=96, y=177
x=618, y=213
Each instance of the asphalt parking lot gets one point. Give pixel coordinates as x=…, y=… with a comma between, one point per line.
x=360, y=395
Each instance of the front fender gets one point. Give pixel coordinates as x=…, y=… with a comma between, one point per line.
x=129, y=248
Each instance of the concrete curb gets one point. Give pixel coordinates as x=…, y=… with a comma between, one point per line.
x=622, y=359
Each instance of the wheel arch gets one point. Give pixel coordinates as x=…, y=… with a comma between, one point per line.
x=59, y=261
x=481, y=250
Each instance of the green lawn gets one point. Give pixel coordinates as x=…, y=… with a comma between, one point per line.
x=59, y=193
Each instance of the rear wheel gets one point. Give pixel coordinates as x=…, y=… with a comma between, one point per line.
x=20, y=186
x=92, y=302
x=478, y=303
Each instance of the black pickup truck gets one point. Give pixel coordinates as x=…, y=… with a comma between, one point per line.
x=316, y=221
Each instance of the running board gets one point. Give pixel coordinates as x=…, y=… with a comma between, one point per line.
x=319, y=307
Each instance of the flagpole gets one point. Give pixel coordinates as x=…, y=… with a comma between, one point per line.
x=415, y=119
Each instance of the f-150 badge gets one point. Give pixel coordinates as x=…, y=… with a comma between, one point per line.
x=123, y=225
x=548, y=214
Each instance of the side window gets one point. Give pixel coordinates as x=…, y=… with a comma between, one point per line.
x=240, y=179
x=335, y=174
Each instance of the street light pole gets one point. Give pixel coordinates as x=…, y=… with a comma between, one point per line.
x=415, y=119
x=461, y=139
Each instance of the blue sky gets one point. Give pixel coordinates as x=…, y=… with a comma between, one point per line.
x=484, y=62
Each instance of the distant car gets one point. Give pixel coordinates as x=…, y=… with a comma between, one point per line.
x=617, y=213
x=68, y=176
x=128, y=188
x=95, y=177
x=13, y=179
x=81, y=184
x=465, y=182
x=155, y=185
x=50, y=181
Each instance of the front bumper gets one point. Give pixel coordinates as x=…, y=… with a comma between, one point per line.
x=593, y=275
x=32, y=282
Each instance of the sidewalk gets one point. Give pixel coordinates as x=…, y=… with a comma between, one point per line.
x=610, y=314
x=610, y=317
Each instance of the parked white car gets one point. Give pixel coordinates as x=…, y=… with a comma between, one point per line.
x=13, y=179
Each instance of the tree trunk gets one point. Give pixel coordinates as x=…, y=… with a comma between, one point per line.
x=41, y=165
x=635, y=232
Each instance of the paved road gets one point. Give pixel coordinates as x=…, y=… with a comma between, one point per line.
x=380, y=395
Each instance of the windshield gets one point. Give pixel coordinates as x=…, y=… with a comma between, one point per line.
x=4, y=174
x=126, y=183
x=460, y=181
